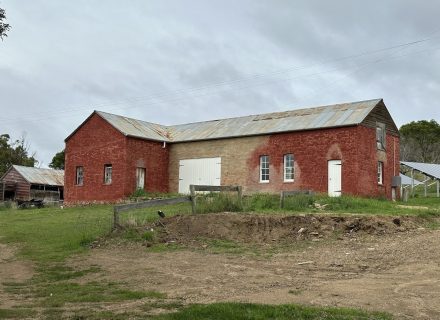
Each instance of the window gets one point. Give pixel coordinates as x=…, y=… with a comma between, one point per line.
x=264, y=169
x=140, y=178
x=380, y=135
x=380, y=172
x=107, y=173
x=79, y=176
x=289, y=170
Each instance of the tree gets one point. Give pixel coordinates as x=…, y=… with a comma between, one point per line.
x=14, y=153
x=3, y=26
x=420, y=141
x=58, y=161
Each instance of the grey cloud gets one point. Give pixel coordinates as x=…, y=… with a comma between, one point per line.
x=64, y=59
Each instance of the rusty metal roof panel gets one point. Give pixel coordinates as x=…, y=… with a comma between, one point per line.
x=344, y=114
x=136, y=128
x=294, y=120
x=41, y=176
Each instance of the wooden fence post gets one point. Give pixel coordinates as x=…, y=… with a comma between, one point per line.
x=240, y=196
x=282, y=200
x=192, y=190
x=115, y=218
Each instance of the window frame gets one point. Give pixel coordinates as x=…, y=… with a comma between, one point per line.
x=264, y=160
x=380, y=135
x=79, y=175
x=380, y=173
x=108, y=173
x=292, y=167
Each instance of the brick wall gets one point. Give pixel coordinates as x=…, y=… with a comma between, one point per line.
x=95, y=144
x=355, y=146
x=152, y=156
x=234, y=153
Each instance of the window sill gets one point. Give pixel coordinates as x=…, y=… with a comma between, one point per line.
x=288, y=181
x=265, y=181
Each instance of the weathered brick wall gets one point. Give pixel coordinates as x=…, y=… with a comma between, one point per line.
x=368, y=159
x=355, y=146
x=95, y=144
x=234, y=153
x=152, y=156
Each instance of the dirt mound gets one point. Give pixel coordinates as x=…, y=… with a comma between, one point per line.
x=264, y=228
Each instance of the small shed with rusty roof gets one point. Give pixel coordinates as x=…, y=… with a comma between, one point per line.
x=26, y=183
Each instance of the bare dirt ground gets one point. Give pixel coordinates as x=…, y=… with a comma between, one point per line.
x=382, y=264
x=12, y=270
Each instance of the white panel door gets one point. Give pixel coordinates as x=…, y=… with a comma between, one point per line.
x=205, y=171
x=334, y=178
x=140, y=178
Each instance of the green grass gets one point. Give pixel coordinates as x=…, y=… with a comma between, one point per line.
x=17, y=313
x=57, y=294
x=48, y=236
x=244, y=311
x=52, y=234
x=148, y=215
x=270, y=203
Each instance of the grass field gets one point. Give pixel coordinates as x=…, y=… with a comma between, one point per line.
x=47, y=237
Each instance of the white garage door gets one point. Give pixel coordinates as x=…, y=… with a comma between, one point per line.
x=205, y=171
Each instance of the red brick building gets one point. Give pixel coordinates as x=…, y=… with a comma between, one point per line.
x=350, y=148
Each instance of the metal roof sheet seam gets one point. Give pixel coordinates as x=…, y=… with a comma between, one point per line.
x=41, y=176
x=337, y=115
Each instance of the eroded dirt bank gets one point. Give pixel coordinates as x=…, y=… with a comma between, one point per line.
x=378, y=263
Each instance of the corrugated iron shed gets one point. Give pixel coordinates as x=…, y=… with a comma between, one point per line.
x=429, y=169
x=337, y=115
x=41, y=176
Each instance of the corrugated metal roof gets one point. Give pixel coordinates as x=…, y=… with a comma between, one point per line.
x=430, y=169
x=337, y=115
x=49, y=177
x=408, y=181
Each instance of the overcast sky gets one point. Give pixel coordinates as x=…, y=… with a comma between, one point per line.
x=174, y=62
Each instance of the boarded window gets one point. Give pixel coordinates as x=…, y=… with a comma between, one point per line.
x=264, y=169
x=380, y=135
x=289, y=167
x=140, y=178
x=380, y=172
x=79, y=176
x=108, y=174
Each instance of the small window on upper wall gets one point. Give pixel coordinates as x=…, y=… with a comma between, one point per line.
x=264, y=169
x=108, y=173
x=79, y=179
x=380, y=172
x=289, y=168
x=380, y=135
